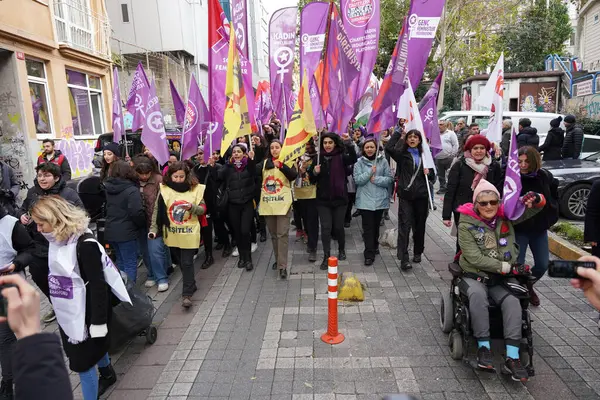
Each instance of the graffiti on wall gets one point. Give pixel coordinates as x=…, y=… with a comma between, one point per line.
x=14, y=148
x=586, y=106
x=80, y=153
x=537, y=97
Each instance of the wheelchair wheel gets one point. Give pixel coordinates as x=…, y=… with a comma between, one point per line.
x=456, y=345
x=447, y=312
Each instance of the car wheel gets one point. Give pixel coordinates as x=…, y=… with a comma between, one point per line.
x=573, y=202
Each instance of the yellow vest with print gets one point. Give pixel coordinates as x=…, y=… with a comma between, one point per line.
x=184, y=229
x=275, y=193
x=305, y=190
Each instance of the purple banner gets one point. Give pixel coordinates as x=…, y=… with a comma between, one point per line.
x=423, y=20
x=196, y=114
x=153, y=133
x=361, y=20
x=218, y=43
x=117, y=109
x=178, y=104
x=239, y=18
x=282, y=44
x=263, y=103
x=513, y=208
x=392, y=87
x=342, y=67
x=137, y=96
x=429, y=115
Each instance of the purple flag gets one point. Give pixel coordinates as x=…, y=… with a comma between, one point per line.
x=153, y=133
x=429, y=115
x=361, y=20
x=196, y=114
x=392, y=87
x=313, y=23
x=341, y=68
x=239, y=18
x=263, y=103
x=137, y=96
x=282, y=44
x=117, y=109
x=423, y=20
x=178, y=104
x=513, y=208
x=218, y=49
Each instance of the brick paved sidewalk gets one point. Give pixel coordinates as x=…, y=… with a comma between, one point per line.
x=250, y=335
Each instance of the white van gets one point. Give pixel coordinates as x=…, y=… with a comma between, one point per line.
x=539, y=120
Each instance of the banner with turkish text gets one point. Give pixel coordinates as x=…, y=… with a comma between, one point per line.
x=136, y=100
x=153, y=133
x=239, y=19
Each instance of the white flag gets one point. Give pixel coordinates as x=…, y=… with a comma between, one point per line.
x=492, y=97
x=408, y=109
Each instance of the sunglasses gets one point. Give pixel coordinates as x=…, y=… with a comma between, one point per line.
x=490, y=203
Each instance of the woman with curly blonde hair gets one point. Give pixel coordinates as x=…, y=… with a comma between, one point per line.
x=80, y=290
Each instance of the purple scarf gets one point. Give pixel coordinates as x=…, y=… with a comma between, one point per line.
x=239, y=165
x=337, y=173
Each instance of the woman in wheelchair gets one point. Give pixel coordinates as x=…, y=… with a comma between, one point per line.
x=489, y=262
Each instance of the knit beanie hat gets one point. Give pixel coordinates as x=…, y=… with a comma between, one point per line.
x=475, y=140
x=484, y=186
x=114, y=148
x=570, y=119
x=555, y=123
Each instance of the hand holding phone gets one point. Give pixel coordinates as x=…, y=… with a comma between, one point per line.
x=588, y=280
x=568, y=269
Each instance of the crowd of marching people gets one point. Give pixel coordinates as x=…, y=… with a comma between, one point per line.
x=226, y=202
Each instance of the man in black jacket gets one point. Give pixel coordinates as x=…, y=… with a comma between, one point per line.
x=48, y=182
x=573, y=139
x=506, y=134
x=56, y=157
x=527, y=135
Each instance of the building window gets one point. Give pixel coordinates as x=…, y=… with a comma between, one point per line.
x=38, y=92
x=125, y=13
x=596, y=19
x=85, y=101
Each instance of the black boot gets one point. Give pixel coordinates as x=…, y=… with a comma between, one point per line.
x=325, y=264
x=263, y=236
x=342, y=255
x=208, y=261
x=6, y=390
x=242, y=261
x=248, y=264
x=227, y=250
x=108, y=377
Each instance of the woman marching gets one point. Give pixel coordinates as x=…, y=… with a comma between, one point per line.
x=238, y=176
x=413, y=193
x=305, y=193
x=332, y=193
x=111, y=154
x=533, y=233
x=373, y=179
x=81, y=280
x=275, y=203
x=177, y=218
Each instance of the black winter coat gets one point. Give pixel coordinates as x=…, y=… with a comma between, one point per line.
x=125, y=215
x=240, y=185
x=405, y=169
x=98, y=308
x=39, y=369
x=545, y=184
x=505, y=142
x=528, y=137
x=591, y=231
x=322, y=180
x=552, y=147
x=60, y=188
x=573, y=142
x=208, y=176
x=460, y=180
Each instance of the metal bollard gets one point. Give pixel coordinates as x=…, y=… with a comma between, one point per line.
x=332, y=336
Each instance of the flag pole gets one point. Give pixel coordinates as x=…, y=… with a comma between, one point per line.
x=284, y=124
x=428, y=190
x=329, y=12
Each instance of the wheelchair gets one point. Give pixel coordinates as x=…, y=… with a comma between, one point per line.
x=455, y=320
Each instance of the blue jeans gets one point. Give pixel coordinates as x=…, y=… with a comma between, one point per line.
x=89, y=379
x=538, y=242
x=154, y=255
x=127, y=256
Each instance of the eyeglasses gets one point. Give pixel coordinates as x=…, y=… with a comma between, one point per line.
x=488, y=203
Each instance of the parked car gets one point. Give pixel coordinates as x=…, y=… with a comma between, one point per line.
x=539, y=120
x=591, y=144
x=575, y=178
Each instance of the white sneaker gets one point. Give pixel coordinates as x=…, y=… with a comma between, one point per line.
x=150, y=283
x=235, y=253
x=163, y=287
x=254, y=247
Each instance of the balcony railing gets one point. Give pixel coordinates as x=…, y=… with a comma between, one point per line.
x=80, y=28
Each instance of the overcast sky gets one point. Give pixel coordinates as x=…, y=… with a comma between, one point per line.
x=274, y=5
